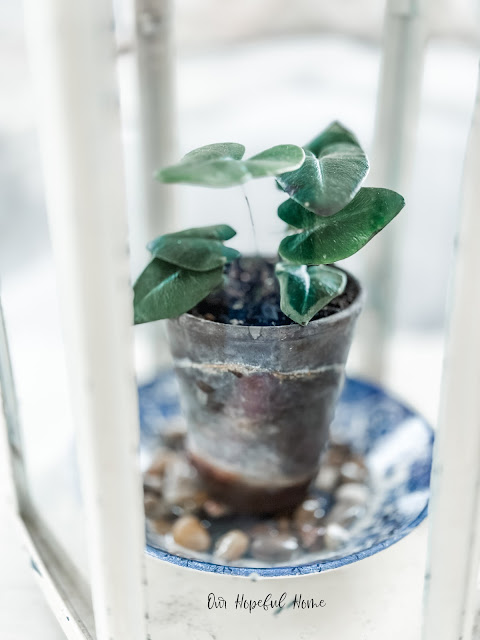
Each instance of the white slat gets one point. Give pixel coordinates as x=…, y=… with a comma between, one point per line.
x=156, y=95
x=451, y=597
x=392, y=157
x=73, y=62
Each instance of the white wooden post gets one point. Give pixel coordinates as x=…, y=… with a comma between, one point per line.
x=10, y=412
x=154, y=58
x=451, y=596
x=392, y=157
x=153, y=205
x=73, y=63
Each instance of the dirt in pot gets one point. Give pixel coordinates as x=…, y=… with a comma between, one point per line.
x=184, y=519
x=251, y=296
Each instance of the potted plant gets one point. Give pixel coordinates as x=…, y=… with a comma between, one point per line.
x=260, y=344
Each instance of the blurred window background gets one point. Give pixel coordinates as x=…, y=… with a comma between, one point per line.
x=262, y=73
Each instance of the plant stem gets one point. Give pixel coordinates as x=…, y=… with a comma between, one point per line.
x=255, y=243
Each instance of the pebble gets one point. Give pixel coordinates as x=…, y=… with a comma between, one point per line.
x=328, y=478
x=353, y=471
x=152, y=483
x=189, y=532
x=313, y=538
x=175, y=502
x=160, y=462
x=274, y=548
x=352, y=493
x=161, y=525
x=232, y=545
x=335, y=536
x=283, y=524
x=337, y=454
x=149, y=504
x=215, y=509
x=153, y=506
x=182, y=486
x=265, y=528
x=311, y=511
x=346, y=514
x=174, y=434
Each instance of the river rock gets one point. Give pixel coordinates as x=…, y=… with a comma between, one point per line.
x=312, y=538
x=352, y=493
x=274, y=548
x=336, y=454
x=346, y=514
x=335, y=536
x=232, y=546
x=328, y=478
x=353, y=471
x=152, y=483
x=189, y=532
x=215, y=509
x=154, y=506
x=182, y=487
x=161, y=525
x=311, y=511
x=283, y=524
x=160, y=461
x=174, y=433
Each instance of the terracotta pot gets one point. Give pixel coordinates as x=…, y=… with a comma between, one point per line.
x=259, y=402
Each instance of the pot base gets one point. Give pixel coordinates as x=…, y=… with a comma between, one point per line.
x=246, y=498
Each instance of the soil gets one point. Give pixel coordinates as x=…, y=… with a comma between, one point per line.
x=251, y=297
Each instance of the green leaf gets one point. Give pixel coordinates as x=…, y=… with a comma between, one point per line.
x=305, y=290
x=343, y=234
x=297, y=216
x=273, y=161
x=164, y=290
x=198, y=249
x=215, y=151
x=333, y=134
x=220, y=232
x=334, y=168
x=221, y=165
x=196, y=254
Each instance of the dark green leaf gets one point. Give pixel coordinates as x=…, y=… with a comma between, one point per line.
x=297, y=216
x=335, y=166
x=164, y=290
x=305, y=290
x=343, y=234
x=221, y=165
x=333, y=134
x=220, y=232
x=197, y=254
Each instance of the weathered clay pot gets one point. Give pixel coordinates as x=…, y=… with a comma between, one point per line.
x=259, y=402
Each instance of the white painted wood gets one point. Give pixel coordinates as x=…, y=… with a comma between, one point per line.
x=18, y=492
x=65, y=592
x=153, y=52
x=72, y=56
x=145, y=34
x=392, y=159
x=156, y=94
x=19, y=595
x=378, y=598
x=451, y=597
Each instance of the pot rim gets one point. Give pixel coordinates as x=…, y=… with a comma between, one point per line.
x=273, y=331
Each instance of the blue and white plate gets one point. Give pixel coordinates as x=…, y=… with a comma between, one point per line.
x=397, y=446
